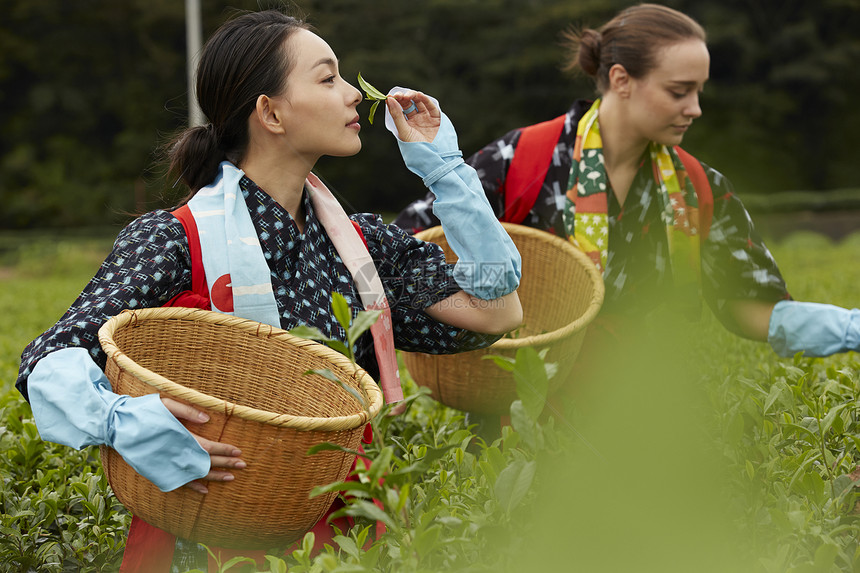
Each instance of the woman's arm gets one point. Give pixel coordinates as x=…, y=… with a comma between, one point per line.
x=790, y=326
x=491, y=163
x=61, y=370
x=742, y=278
x=752, y=317
x=463, y=310
x=489, y=265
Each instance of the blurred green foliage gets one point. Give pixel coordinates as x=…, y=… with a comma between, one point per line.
x=90, y=88
x=696, y=451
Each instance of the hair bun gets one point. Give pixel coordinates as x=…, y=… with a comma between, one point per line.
x=588, y=55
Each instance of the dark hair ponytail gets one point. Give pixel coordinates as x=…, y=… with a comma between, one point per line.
x=195, y=156
x=244, y=59
x=632, y=38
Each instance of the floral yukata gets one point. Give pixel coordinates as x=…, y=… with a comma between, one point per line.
x=735, y=263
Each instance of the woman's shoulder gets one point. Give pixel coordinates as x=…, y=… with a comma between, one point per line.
x=716, y=179
x=375, y=230
x=572, y=116
x=390, y=242
x=156, y=227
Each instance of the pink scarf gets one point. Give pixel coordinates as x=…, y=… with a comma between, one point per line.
x=353, y=252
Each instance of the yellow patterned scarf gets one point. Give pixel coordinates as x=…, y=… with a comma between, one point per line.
x=585, y=213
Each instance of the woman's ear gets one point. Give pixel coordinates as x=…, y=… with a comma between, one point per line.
x=619, y=80
x=269, y=114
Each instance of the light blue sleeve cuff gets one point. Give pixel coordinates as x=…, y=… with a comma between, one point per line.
x=813, y=328
x=489, y=264
x=73, y=405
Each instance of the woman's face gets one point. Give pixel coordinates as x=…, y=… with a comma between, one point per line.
x=665, y=102
x=319, y=106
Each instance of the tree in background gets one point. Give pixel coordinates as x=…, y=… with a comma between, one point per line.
x=89, y=89
x=779, y=109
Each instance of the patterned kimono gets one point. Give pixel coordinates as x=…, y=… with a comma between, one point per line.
x=150, y=264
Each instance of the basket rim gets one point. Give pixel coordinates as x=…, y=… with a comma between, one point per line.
x=569, y=249
x=369, y=387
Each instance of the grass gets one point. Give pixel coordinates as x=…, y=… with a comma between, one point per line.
x=701, y=452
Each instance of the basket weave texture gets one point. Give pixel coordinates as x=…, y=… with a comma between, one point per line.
x=561, y=292
x=250, y=378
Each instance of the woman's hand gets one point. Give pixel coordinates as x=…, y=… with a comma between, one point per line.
x=221, y=455
x=420, y=124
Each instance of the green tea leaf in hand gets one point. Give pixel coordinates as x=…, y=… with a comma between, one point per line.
x=371, y=94
x=372, y=112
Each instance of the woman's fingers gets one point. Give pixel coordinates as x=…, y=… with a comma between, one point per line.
x=227, y=462
x=197, y=486
x=414, y=104
x=221, y=456
x=396, y=111
x=423, y=119
x=184, y=411
x=217, y=448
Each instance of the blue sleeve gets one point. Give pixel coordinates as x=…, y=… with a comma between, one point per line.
x=489, y=264
x=813, y=328
x=73, y=405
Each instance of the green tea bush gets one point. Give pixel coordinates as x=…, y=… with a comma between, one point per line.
x=697, y=451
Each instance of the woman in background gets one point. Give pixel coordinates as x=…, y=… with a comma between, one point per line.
x=665, y=229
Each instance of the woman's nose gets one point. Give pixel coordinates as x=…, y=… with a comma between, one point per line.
x=693, y=109
x=355, y=96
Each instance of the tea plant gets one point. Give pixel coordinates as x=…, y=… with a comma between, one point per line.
x=58, y=512
x=701, y=452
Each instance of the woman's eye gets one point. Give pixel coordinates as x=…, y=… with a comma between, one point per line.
x=678, y=95
x=329, y=80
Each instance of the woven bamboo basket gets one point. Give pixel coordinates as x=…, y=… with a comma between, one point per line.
x=561, y=292
x=250, y=378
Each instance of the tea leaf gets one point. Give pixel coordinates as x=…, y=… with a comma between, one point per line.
x=364, y=508
x=371, y=92
x=235, y=561
x=503, y=362
x=372, y=112
x=329, y=447
x=341, y=309
x=513, y=483
x=347, y=544
x=309, y=332
x=362, y=323
x=532, y=382
x=276, y=564
x=329, y=375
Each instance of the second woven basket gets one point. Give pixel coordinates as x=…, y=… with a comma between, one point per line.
x=561, y=292
x=251, y=379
